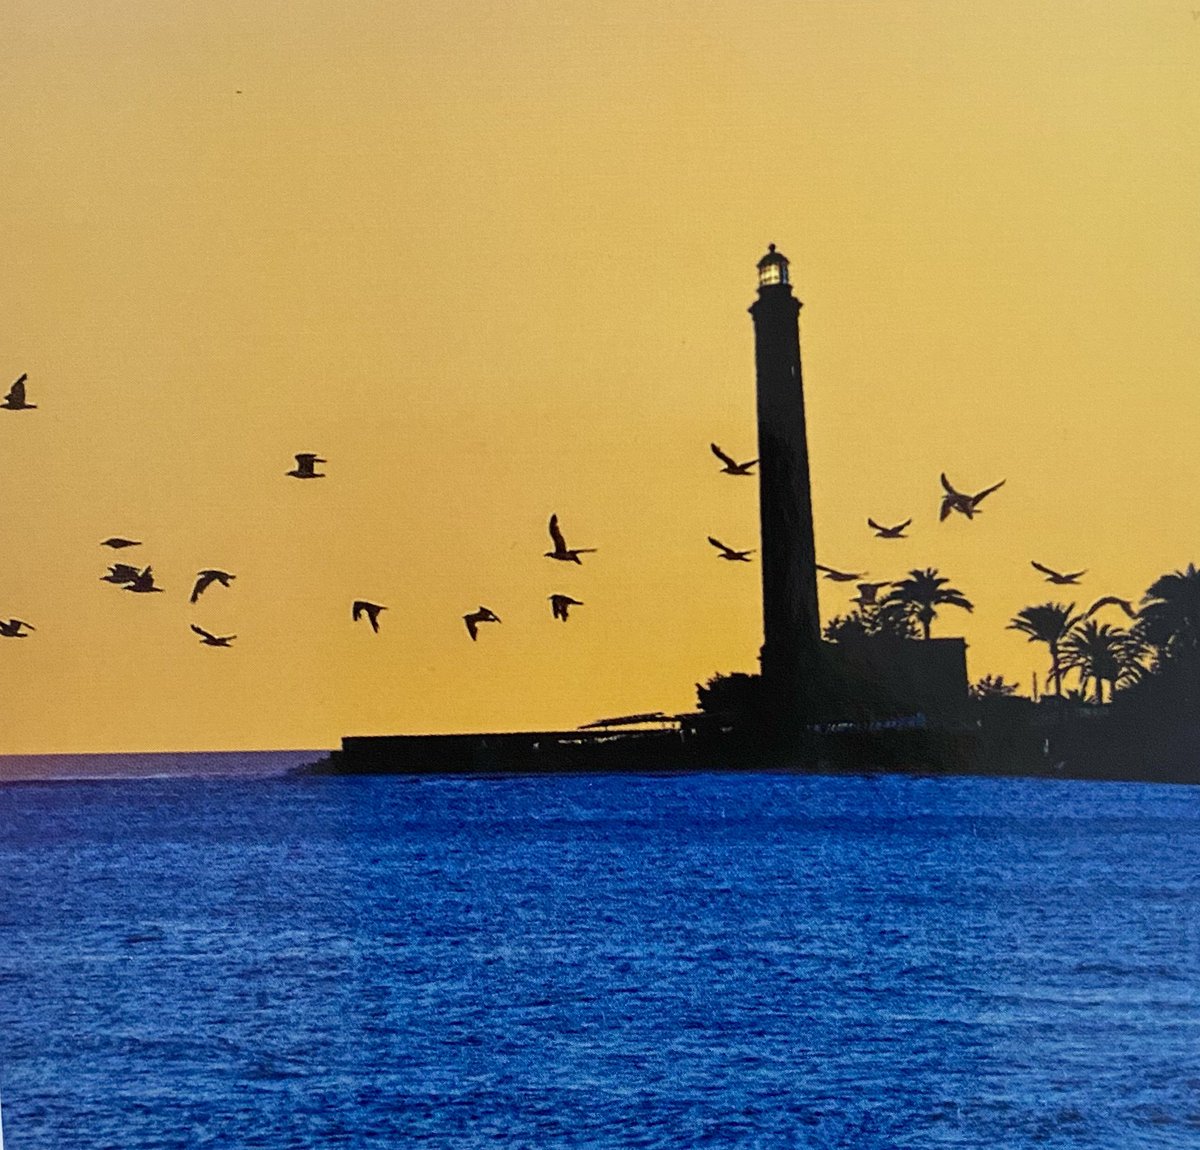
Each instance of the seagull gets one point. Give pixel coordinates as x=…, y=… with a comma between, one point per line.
x=1124, y=604
x=12, y=629
x=840, y=576
x=961, y=502
x=561, y=551
x=206, y=578
x=120, y=573
x=731, y=467
x=1056, y=577
x=15, y=399
x=211, y=640
x=867, y=593
x=142, y=582
x=730, y=554
x=896, y=532
x=371, y=610
x=561, y=604
x=483, y=615
x=116, y=543
x=306, y=464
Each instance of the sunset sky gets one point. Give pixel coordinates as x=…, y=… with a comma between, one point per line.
x=492, y=260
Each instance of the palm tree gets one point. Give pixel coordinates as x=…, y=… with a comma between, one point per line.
x=923, y=592
x=1170, y=614
x=1101, y=652
x=1048, y=623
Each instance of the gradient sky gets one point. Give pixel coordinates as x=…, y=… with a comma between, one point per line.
x=492, y=260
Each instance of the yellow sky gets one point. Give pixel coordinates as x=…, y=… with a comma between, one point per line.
x=493, y=260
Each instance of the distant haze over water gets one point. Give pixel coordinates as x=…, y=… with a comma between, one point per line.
x=146, y=765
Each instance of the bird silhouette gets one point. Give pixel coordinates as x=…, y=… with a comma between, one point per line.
x=371, y=610
x=207, y=578
x=839, y=576
x=1112, y=600
x=15, y=399
x=211, y=640
x=730, y=554
x=306, y=466
x=961, y=502
x=116, y=543
x=1057, y=577
x=12, y=628
x=483, y=615
x=561, y=604
x=120, y=573
x=867, y=593
x=896, y=532
x=561, y=551
x=142, y=582
x=731, y=466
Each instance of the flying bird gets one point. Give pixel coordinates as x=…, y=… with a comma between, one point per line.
x=1124, y=604
x=1057, y=577
x=207, y=578
x=840, y=576
x=960, y=501
x=116, y=543
x=120, y=573
x=142, y=582
x=867, y=593
x=211, y=640
x=561, y=550
x=306, y=466
x=371, y=610
x=731, y=466
x=896, y=532
x=483, y=615
x=561, y=604
x=12, y=628
x=730, y=554
x=15, y=399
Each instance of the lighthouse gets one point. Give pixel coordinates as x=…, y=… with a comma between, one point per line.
x=791, y=650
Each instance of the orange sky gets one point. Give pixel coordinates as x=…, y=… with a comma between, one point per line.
x=493, y=261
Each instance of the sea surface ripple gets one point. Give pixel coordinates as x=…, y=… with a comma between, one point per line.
x=717, y=960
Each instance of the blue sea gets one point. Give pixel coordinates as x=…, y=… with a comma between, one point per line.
x=222, y=958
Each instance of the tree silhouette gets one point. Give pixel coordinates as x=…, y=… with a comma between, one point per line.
x=993, y=687
x=884, y=620
x=1102, y=653
x=737, y=695
x=922, y=593
x=1048, y=623
x=852, y=628
x=1169, y=617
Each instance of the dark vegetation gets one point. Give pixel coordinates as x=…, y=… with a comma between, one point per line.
x=1134, y=688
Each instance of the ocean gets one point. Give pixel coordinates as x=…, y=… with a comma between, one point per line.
x=232, y=958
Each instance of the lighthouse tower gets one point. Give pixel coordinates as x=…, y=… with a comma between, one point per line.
x=791, y=621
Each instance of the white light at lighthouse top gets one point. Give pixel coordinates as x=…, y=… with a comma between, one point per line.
x=772, y=268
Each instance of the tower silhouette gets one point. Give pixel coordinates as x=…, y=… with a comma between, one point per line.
x=791, y=650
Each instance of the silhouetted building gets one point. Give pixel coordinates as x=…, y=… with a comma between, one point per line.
x=791, y=651
x=882, y=676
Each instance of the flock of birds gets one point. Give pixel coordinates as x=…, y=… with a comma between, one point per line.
x=952, y=501
x=140, y=580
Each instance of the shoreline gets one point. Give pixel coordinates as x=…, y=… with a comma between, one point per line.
x=1089, y=752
